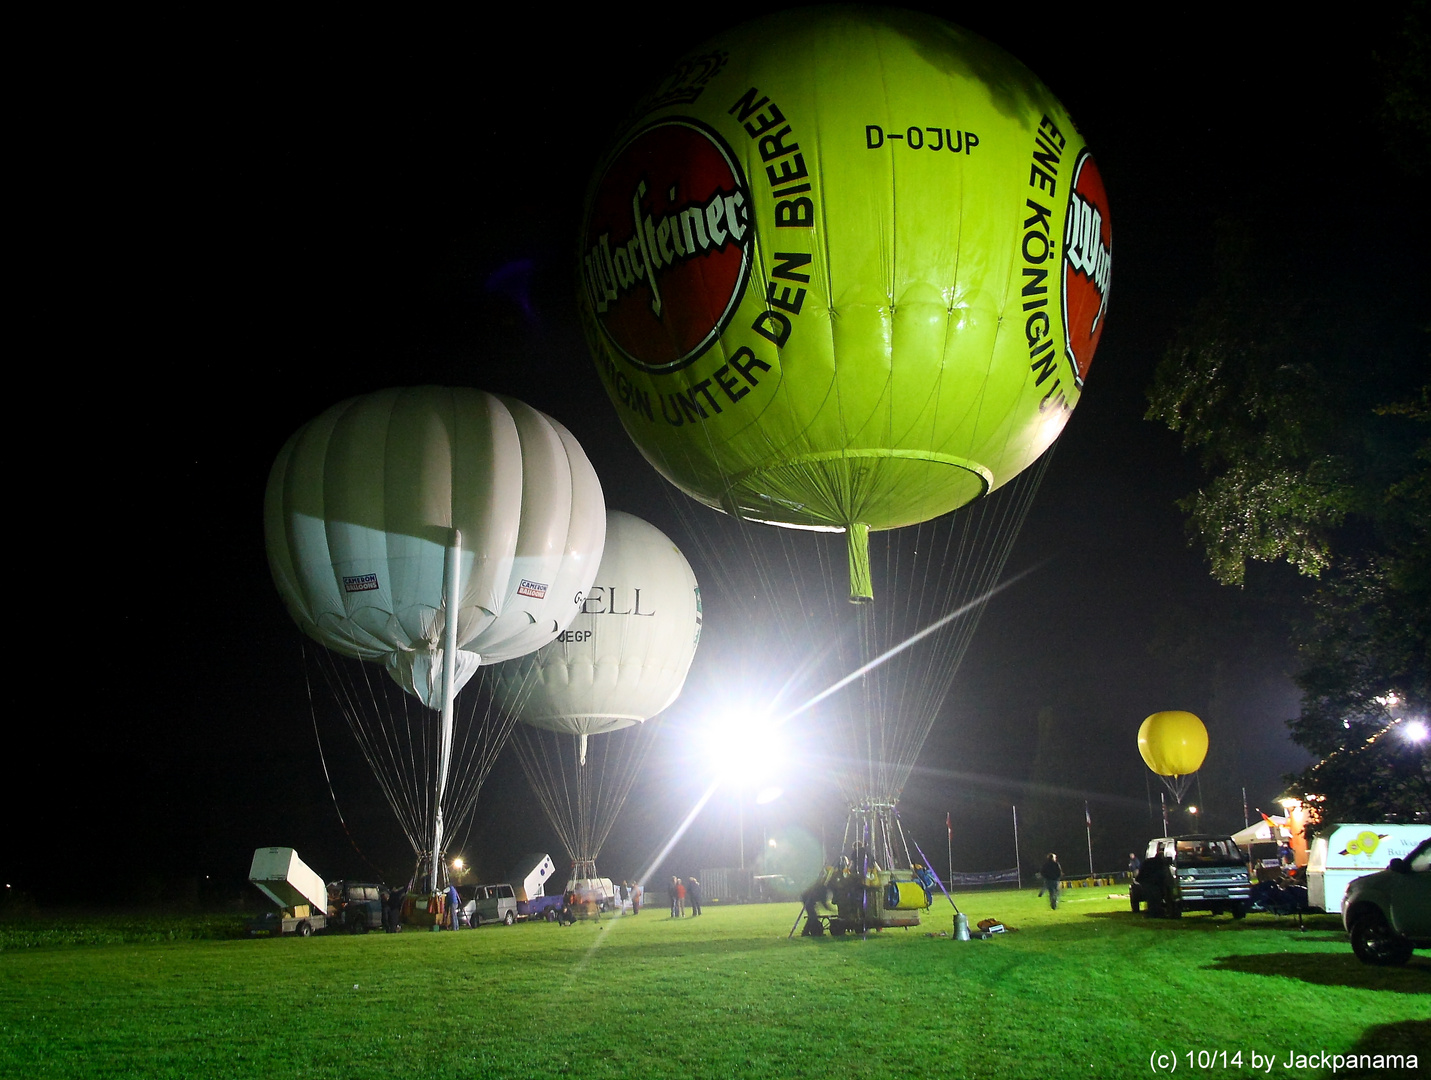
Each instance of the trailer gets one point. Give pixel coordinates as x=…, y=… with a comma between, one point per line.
x=299, y=892
x=1341, y=853
x=529, y=881
x=595, y=890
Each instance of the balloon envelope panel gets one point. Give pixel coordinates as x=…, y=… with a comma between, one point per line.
x=625, y=656
x=1173, y=743
x=362, y=504
x=846, y=266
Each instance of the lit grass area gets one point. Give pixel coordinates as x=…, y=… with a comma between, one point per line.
x=1088, y=990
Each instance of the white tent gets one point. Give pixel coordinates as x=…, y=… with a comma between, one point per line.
x=1268, y=830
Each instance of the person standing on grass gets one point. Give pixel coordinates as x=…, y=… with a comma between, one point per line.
x=675, y=912
x=680, y=898
x=635, y=898
x=1052, y=874
x=693, y=890
x=396, y=898
x=1154, y=886
x=1134, y=865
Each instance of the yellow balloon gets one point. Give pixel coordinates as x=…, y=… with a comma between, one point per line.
x=1173, y=743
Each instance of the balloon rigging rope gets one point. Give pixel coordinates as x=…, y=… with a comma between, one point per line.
x=399, y=739
x=361, y=717
x=918, y=681
x=486, y=730
x=323, y=759
x=545, y=775
x=582, y=802
x=928, y=571
x=570, y=793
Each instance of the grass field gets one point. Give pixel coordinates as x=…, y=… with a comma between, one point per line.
x=1088, y=990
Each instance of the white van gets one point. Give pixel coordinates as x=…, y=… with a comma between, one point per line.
x=489, y=904
x=1342, y=853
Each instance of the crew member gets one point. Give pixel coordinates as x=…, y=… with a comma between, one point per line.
x=1052, y=874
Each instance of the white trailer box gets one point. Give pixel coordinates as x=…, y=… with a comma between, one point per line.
x=286, y=880
x=531, y=875
x=1343, y=853
x=599, y=889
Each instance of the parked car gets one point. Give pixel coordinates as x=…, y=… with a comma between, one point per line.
x=1388, y=913
x=488, y=904
x=520, y=898
x=1208, y=873
x=356, y=906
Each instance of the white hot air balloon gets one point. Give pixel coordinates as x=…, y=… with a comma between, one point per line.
x=623, y=659
x=392, y=510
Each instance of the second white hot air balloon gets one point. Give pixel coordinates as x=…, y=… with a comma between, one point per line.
x=621, y=661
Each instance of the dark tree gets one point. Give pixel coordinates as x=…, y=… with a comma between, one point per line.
x=1305, y=398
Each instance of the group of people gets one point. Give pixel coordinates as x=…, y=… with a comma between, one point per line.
x=393, y=901
x=683, y=891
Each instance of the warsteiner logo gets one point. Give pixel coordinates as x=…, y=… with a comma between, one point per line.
x=667, y=244
x=1087, y=264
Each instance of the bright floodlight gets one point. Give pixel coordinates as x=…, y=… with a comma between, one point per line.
x=457, y=863
x=768, y=795
x=744, y=748
x=1415, y=731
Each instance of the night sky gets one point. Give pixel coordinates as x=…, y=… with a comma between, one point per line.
x=232, y=226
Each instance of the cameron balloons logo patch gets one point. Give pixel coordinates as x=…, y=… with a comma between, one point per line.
x=1087, y=263
x=666, y=248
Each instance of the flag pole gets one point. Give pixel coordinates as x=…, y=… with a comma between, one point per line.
x=1088, y=828
x=949, y=829
x=1018, y=866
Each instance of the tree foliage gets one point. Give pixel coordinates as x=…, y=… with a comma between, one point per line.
x=1364, y=680
x=1304, y=397
x=1312, y=452
x=1251, y=397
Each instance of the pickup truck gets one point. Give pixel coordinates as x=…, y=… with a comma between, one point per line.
x=1388, y=913
x=1207, y=872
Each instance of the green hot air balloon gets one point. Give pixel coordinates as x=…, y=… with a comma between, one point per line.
x=845, y=270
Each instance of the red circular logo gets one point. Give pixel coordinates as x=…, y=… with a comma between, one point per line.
x=666, y=248
x=1087, y=265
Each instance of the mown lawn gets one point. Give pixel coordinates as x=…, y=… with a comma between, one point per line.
x=1089, y=990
